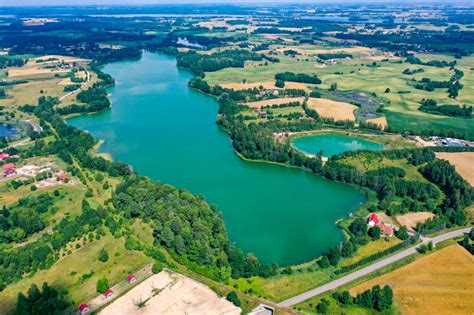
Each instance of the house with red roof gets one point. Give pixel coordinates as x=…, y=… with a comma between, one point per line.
x=8, y=169
x=373, y=219
x=4, y=156
x=63, y=177
x=109, y=293
x=131, y=278
x=83, y=308
x=385, y=229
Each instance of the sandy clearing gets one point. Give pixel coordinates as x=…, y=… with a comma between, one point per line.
x=386, y=219
x=411, y=219
x=332, y=109
x=275, y=101
x=381, y=121
x=462, y=161
x=439, y=283
x=171, y=293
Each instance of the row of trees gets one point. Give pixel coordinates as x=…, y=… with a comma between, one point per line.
x=298, y=77
x=431, y=106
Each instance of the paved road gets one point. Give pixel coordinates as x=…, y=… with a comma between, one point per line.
x=366, y=270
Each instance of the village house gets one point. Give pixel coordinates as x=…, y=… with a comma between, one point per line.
x=131, y=278
x=108, y=294
x=83, y=308
x=4, y=156
x=8, y=169
x=385, y=229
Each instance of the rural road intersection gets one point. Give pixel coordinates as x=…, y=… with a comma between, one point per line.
x=371, y=268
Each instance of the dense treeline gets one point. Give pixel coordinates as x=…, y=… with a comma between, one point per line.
x=187, y=227
x=46, y=301
x=334, y=56
x=431, y=106
x=459, y=193
x=200, y=63
x=377, y=298
x=298, y=77
x=11, y=62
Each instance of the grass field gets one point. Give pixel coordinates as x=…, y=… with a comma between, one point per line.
x=66, y=273
x=462, y=161
x=439, y=283
x=355, y=74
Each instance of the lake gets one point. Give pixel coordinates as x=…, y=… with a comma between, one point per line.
x=168, y=132
x=332, y=144
x=8, y=130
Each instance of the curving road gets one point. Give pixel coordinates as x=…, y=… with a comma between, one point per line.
x=371, y=268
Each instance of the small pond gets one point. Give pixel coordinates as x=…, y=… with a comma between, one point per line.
x=332, y=144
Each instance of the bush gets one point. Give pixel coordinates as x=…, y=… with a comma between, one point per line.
x=103, y=255
x=374, y=233
x=102, y=285
x=322, y=306
x=157, y=267
x=234, y=298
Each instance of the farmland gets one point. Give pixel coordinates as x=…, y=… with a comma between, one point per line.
x=438, y=283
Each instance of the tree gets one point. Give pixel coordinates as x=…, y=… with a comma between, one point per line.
x=234, y=298
x=103, y=255
x=45, y=301
x=102, y=285
x=347, y=249
x=280, y=84
x=374, y=233
x=387, y=90
x=324, y=262
x=323, y=306
x=402, y=233
x=333, y=87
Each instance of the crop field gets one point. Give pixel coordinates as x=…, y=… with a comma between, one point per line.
x=381, y=121
x=411, y=219
x=332, y=109
x=439, y=283
x=462, y=161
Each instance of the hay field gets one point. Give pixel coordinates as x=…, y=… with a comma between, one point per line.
x=275, y=101
x=171, y=293
x=462, y=161
x=32, y=68
x=411, y=219
x=381, y=121
x=439, y=283
x=332, y=109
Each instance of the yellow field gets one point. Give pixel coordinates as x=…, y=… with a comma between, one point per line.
x=411, y=219
x=439, y=283
x=266, y=85
x=462, y=161
x=381, y=121
x=332, y=109
x=275, y=101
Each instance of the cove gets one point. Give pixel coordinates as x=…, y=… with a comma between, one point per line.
x=332, y=144
x=8, y=130
x=168, y=132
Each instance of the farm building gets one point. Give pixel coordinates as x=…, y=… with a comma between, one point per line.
x=373, y=219
x=385, y=229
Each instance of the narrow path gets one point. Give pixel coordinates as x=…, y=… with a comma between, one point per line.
x=369, y=269
x=82, y=87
